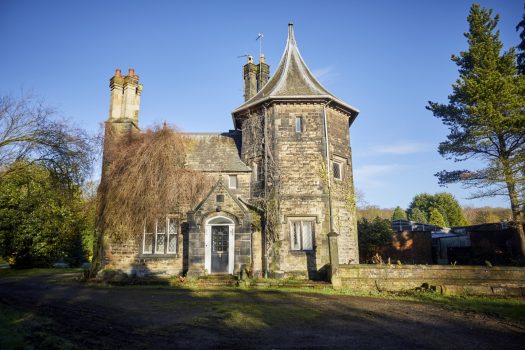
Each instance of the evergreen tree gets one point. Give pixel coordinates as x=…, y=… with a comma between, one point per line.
x=373, y=234
x=41, y=218
x=418, y=216
x=444, y=202
x=521, y=46
x=436, y=218
x=399, y=214
x=486, y=117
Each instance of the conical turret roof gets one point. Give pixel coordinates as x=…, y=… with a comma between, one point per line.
x=294, y=81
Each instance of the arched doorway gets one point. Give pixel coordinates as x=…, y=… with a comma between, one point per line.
x=219, y=240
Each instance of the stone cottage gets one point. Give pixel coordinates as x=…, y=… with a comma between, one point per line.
x=282, y=182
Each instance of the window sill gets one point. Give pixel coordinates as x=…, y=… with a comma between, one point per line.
x=158, y=256
x=302, y=252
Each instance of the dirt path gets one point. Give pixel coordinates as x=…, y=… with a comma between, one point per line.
x=167, y=318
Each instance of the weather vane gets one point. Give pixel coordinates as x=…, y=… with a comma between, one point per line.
x=260, y=37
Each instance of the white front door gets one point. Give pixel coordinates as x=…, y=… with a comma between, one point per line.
x=219, y=240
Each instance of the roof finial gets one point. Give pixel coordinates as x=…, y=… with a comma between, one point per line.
x=290, y=30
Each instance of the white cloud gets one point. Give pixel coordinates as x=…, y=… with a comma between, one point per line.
x=401, y=148
x=324, y=74
x=374, y=175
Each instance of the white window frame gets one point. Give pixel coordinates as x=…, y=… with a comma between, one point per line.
x=299, y=124
x=339, y=164
x=236, y=184
x=298, y=240
x=165, y=223
x=160, y=233
x=170, y=235
x=256, y=172
x=144, y=241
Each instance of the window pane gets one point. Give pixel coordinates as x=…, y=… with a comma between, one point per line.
x=160, y=243
x=337, y=170
x=298, y=124
x=233, y=181
x=150, y=227
x=172, y=243
x=172, y=235
x=148, y=243
x=296, y=236
x=161, y=226
x=172, y=228
x=307, y=235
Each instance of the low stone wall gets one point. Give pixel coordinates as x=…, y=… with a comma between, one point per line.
x=473, y=280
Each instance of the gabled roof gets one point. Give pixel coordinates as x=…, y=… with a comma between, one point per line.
x=293, y=81
x=215, y=152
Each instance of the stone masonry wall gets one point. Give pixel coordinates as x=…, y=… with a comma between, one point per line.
x=126, y=257
x=444, y=279
x=343, y=192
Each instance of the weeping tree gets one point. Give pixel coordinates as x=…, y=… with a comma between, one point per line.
x=486, y=117
x=144, y=178
x=31, y=133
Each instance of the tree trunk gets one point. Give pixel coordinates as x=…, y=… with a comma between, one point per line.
x=517, y=215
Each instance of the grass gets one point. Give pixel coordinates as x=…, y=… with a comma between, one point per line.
x=35, y=272
x=25, y=330
x=510, y=308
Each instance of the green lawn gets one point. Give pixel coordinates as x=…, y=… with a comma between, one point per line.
x=25, y=330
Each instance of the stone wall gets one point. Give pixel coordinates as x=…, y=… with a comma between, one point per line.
x=126, y=257
x=474, y=280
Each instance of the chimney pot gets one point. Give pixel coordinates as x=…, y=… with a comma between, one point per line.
x=117, y=72
x=131, y=72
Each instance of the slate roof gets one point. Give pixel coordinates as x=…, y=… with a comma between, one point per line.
x=293, y=80
x=215, y=152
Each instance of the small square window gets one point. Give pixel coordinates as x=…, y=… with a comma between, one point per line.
x=338, y=170
x=219, y=198
x=233, y=181
x=298, y=124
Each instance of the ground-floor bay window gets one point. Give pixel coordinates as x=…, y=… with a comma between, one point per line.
x=160, y=237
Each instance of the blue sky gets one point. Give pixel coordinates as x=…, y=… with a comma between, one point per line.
x=387, y=58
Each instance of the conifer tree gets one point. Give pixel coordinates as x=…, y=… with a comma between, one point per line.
x=436, y=218
x=418, y=216
x=486, y=117
x=521, y=46
x=399, y=214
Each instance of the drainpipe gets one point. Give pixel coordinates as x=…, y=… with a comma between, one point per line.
x=327, y=145
x=265, y=231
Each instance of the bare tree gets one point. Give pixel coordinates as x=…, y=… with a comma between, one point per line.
x=31, y=131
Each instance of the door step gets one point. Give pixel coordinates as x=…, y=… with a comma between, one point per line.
x=217, y=281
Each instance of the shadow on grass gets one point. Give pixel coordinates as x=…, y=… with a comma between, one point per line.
x=160, y=316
